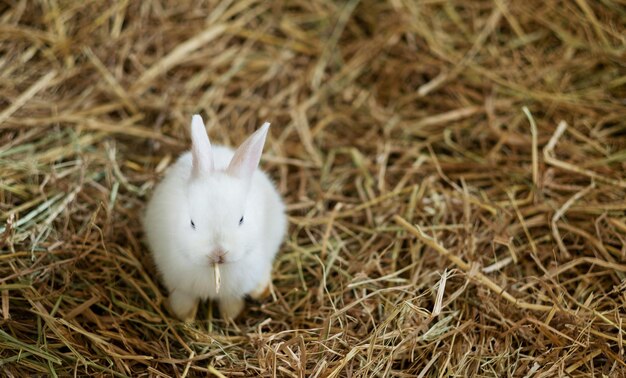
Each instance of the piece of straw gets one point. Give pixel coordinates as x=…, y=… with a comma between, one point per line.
x=218, y=279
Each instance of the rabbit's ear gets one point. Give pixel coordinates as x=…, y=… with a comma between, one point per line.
x=201, y=154
x=248, y=155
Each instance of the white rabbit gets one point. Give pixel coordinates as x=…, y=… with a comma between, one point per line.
x=214, y=206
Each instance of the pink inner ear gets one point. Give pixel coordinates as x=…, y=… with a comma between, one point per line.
x=248, y=155
x=201, y=153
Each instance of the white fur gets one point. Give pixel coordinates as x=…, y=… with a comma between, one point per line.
x=215, y=201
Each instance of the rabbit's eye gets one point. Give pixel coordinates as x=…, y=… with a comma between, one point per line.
x=193, y=225
x=241, y=220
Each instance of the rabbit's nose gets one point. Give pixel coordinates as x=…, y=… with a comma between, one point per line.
x=217, y=256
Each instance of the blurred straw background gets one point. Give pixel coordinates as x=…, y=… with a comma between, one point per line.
x=454, y=172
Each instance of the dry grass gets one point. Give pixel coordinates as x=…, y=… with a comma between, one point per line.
x=454, y=172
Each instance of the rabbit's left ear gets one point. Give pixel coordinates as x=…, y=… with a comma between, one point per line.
x=248, y=155
x=201, y=152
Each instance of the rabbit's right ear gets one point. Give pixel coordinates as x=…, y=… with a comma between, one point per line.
x=201, y=154
x=248, y=155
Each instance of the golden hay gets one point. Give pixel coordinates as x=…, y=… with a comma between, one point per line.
x=454, y=172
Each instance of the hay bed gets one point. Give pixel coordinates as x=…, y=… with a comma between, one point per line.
x=454, y=173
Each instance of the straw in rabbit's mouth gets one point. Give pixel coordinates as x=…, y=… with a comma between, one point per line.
x=218, y=281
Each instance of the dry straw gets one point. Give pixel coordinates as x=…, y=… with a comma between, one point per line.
x=454, y=172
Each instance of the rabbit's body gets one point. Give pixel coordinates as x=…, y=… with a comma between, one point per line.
x=196, y=218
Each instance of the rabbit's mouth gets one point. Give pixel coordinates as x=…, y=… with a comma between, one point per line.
x=218, y=256
x=232, y=258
